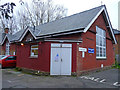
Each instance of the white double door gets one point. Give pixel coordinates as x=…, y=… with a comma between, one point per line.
x=61, y=55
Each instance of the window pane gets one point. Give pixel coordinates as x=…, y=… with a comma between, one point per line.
x=100, y=41
x=11, y=58
x=104, y=44
x=97, y=51
x=100, y=52
x=34, y=50
x=97, y=30
x=104, y=51
x=97, y=40
x=100, y=33
x=7, y=48
x=104, y=34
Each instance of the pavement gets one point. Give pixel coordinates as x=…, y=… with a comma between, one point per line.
x=103, y=79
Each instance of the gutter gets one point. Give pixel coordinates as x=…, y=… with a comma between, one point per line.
x=62, y=33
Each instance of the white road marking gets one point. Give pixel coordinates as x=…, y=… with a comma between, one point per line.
x=97, y=79
x=103, y=81
x=9, y=81
x=82, y=77
x=116, y=84
x=91, y=78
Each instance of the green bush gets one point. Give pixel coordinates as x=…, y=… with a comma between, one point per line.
x=18, y=69
x=116, y=65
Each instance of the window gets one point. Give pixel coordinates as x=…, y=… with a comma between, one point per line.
x=100, y=43
x=7, y=48
x=11, y=58
x=34, y=50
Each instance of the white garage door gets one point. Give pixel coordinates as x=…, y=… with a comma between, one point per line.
x=61, y=55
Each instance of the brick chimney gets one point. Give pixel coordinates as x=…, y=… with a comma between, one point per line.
x=6, y=30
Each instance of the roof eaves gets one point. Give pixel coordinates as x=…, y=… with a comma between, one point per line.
x=110, y=25
x=62, y=33
x=93, y=20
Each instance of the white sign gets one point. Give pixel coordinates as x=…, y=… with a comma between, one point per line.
x=83, y=49
x=83, y=54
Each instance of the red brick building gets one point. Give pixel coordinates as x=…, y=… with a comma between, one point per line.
x=73, y=44
x=8, y=47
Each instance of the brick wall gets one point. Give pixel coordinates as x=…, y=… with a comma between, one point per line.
x=117, y=47
x=79, y=64
x=89, y=41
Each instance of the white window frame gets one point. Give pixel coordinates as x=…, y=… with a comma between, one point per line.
x=33, y=49
x=7, y=52
x=101, y=37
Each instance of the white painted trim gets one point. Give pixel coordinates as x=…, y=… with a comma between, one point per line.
x=93, y=20
x=110, y=25
x=4, y=40
x=63, y=41
x=101, y=57
x=61, y=34
x=55, y=45
x=68, y=33
x=85, y=30
x=26, y=33
x=51, y=61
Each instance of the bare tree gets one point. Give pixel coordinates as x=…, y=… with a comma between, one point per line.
x=40, y=12
x=6, y=16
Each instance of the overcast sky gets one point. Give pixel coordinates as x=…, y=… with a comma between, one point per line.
x=76, y=6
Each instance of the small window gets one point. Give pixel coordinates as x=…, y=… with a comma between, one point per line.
x=34, y=51
x=11, y=58
x=7, y=48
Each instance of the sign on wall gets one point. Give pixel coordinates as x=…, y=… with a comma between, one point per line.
x=90, y=50
x=82, y=49
x=56, y=58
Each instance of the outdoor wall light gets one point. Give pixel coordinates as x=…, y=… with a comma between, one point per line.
x=22, y=44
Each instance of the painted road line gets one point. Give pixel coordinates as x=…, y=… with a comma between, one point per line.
x=91, y=78
x=116, y=84
x=9, y=81
x=97, y=79
x=103, y=81
x=94, y=79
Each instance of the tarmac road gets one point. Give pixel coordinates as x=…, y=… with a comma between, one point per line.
x=103, y=79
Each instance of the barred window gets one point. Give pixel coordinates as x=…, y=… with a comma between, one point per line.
x=100, y=43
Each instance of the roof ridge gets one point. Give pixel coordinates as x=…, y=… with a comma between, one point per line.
x=67, y=18
x=73, y=14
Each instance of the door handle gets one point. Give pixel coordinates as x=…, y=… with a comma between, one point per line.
x=61, y=59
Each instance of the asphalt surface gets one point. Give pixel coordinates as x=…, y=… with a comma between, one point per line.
x=103, y=79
